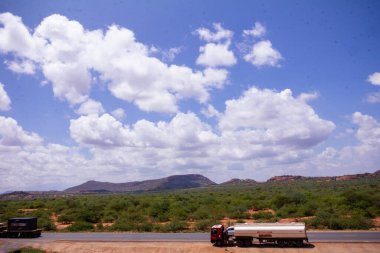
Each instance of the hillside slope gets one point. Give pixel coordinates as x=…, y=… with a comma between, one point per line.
x=167, y=183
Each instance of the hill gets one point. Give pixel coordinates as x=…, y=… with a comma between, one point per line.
x=287, y=178
x=166, y=183
x=237, y=181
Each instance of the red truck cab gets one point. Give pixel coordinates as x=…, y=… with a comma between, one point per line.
x=217, y=235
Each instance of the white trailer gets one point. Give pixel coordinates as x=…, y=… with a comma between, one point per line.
x=243, y=234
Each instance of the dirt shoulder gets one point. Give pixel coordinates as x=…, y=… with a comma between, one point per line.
x=191, y=247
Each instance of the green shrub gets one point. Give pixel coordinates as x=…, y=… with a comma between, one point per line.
x=174, y=226
x=121, y=226
x=80, y=226
x=46, y=224
x=262, y=215
x=205, y=225
x=337, y=222
x=27, y=250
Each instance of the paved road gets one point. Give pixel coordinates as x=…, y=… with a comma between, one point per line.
x=7, y=244
x=199, y=237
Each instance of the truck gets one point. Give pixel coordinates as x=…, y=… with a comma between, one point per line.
x=244, y=234
x=25, y=227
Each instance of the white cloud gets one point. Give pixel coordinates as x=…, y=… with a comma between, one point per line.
x=15, y=37
x=170, y=54
x=261, y=129
x=90, y=107
x=119, y=113
x=5, y=101
x=71, y=81
x=369, y=129
x=257, y=31
x=213, y=55
x=216, y=53
x=262, y=54
x=374, y=78
x=182, y=132
x=11, y=134
x=102, y=131
x=308, y=96
x=373, y=97
x=22, y=67
x=275, y=117
x=68, y=54
x=220, y=33
x=210, y=112
x=364, y=156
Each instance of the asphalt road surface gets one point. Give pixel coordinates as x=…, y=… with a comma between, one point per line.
x=314, y=236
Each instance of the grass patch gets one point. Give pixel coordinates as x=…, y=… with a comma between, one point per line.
x=27, y=250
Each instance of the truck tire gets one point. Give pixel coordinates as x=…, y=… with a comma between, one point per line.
x=281, y=243
x=299, y=243
x=240, y=243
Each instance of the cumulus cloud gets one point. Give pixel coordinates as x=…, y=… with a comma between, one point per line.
x=170, y=54
x=90, y=107
x=15, y=37
x=369, y=129
x=11, y=134
x=220, y=33
x=262, y=54
x=308, y=96
x=182, y=132
x=210, y=112
x=68, y=54
x=373, y=97
x=21, y=67
x=216, y=53
x=261, y=129
x=275, y=117
x=363, y=156
x=102, y=131
x=5, y=101
x=257, y=31
x=374, y=78
x=119, y=113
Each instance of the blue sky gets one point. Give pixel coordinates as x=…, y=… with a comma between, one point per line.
x=132, y=90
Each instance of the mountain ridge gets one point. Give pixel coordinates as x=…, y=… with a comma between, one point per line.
x=166, y=183
x=171, y=183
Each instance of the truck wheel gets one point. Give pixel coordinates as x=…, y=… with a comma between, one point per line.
x=299, y=243
x=281, y=243
x=248, y=243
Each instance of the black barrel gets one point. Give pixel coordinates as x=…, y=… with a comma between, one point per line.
x=22, y=224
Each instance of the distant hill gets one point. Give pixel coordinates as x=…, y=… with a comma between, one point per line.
x=171, y=183
x=167, y=183
x=287, y=178
x=237, y=181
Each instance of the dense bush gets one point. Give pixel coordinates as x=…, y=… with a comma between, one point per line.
x=205, y=225
x=262, y=216
x=80, y=226
x=175, y=226
x=27, y=250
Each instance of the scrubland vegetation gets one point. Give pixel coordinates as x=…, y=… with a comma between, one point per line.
x=27, y=250
x=322, y=205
